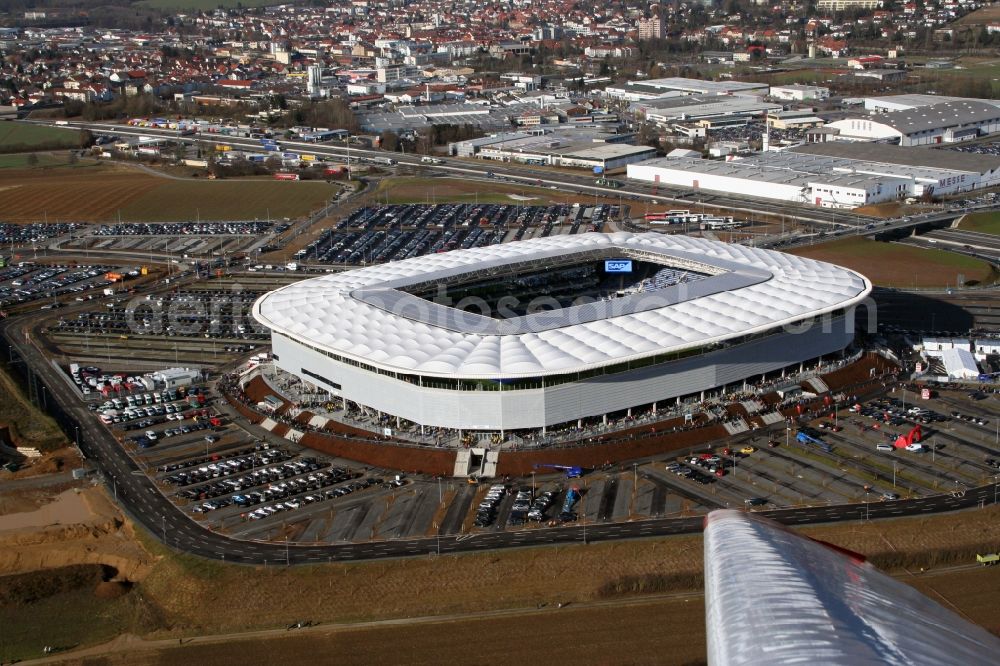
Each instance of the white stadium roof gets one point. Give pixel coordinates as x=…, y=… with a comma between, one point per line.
x=360, y=314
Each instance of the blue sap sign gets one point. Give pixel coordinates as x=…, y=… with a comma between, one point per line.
x=618, y=266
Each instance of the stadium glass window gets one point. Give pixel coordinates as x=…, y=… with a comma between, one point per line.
x=327, y=382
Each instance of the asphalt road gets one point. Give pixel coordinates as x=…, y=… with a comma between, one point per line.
x=841, y=221
x=525, y=175
x=148, y=507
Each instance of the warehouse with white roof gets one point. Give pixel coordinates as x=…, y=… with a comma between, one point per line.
x=831, y=175
x=947, y=122
x=531, y=334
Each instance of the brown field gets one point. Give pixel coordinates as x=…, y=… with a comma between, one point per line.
x=902, y=266
x=656, y=631
x=100, y=192
x=667, y=629
x=443, y=605
x=984, y=16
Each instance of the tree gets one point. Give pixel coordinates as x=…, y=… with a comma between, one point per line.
x=389, y=141
x=32, y=160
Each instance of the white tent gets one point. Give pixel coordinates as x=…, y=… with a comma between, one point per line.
x=960, y=364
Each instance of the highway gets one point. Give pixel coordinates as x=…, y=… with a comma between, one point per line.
x=835, y=222
x=525, y=175
x=147, y=506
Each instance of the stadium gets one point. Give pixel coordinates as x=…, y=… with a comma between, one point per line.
x=552, y=331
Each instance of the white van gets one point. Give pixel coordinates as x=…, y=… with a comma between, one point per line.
x=886, y=448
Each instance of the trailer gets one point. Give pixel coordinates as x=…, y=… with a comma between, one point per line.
x=572, y=497
x=988, y=560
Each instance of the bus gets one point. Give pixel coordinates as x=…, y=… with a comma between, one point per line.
x=709, y=223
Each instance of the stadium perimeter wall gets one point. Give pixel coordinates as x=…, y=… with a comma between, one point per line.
x=533, y=408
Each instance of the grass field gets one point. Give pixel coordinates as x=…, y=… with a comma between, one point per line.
x=902, y=266
x=83, y=619
x=21, y=161
x=31, y=427
x=99, y=192
x=21, y=136
x=986, y=223
x=453, y=190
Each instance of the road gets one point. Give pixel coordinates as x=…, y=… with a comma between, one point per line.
x=525, y=175
x=837, y=222
x=148, y=507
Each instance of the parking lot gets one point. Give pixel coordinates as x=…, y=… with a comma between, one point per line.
x=394, y=232
x=191, y=239
x=251, y=484
x=208, y=323
x=28, y=281
x=24, y=234
x=331, y=501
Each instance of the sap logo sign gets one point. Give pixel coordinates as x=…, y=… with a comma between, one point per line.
x=617, y=266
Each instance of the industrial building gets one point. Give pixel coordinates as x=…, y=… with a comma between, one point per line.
x=799, y=93
x=409, y=118
x=973, y=170
x=830, y=175
x=945, y=122
x=569, y=147
x=636, y=91
x=631, y=321
x=754, y=178
x=908, y=101
x=694, y=108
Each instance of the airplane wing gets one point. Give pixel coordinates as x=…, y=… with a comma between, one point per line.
x=776, y=597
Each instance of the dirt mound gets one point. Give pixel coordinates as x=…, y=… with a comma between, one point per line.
x=93, y=532
x=112, y=589
x=26, y=588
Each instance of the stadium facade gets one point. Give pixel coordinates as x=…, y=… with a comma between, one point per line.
x=531, y=334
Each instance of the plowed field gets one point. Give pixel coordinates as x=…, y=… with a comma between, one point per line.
x=102, y=192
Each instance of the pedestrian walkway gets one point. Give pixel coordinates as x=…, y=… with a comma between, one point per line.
x=736, y=427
